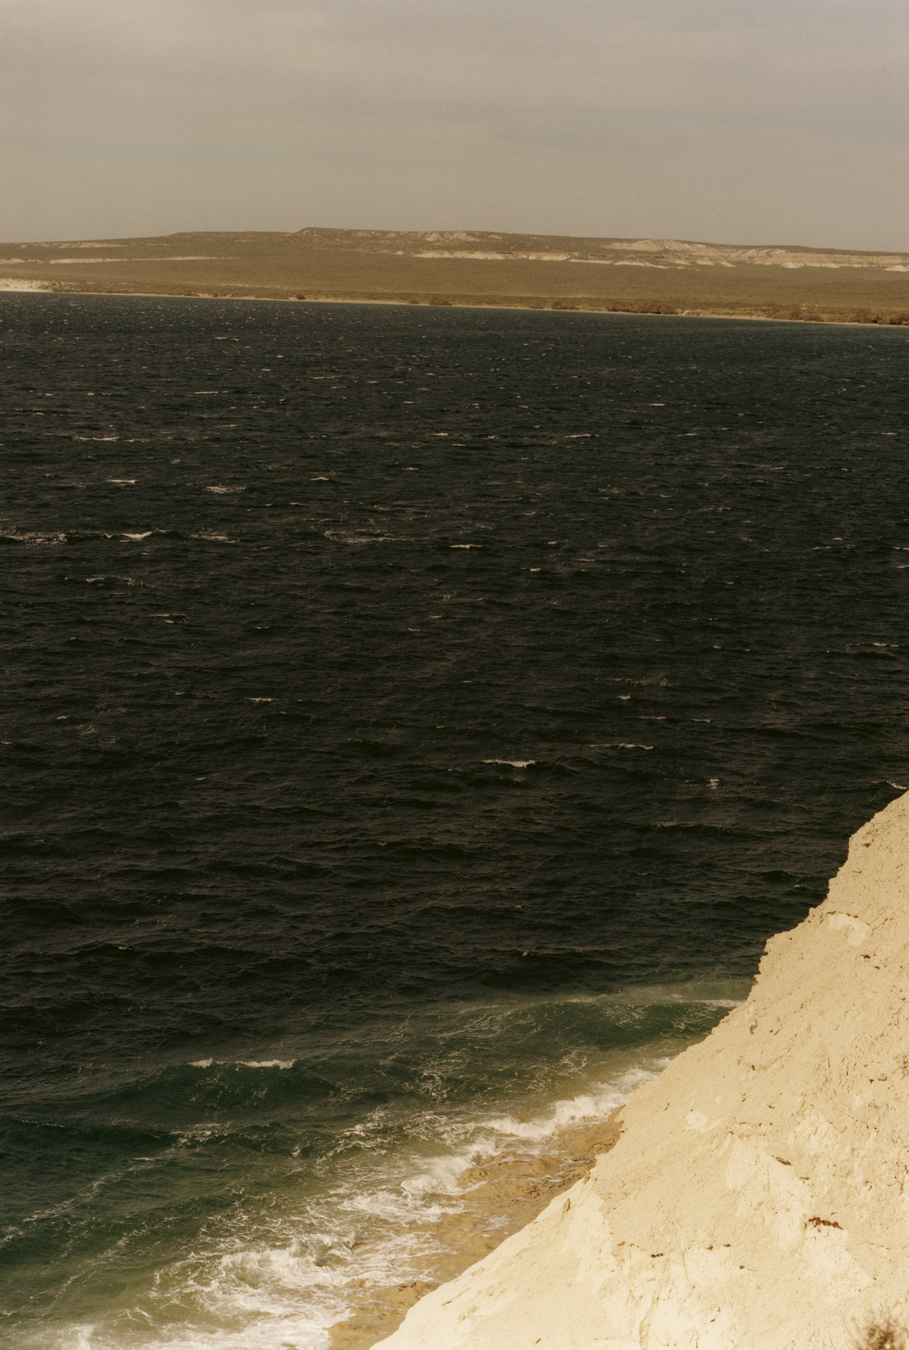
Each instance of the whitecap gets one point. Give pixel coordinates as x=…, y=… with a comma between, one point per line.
x=224, y=491
x=123, y=481
x=595, y=1105
x=243, y=1064
x=32, y=537
x=138, y=537
x=355, y=537
x=442, y=1173
x=394, y=1207
x=620, y=745
x=512, y=763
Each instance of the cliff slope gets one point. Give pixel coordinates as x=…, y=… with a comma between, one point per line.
x=759, y=1196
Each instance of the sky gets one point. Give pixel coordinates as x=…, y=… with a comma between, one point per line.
x=729, y=121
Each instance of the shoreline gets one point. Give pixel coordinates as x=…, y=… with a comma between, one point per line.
x=498, y=1196
x=754, y=1198
x=892, y=321
x=478, y=269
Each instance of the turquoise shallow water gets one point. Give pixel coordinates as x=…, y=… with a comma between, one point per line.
x=415, y=723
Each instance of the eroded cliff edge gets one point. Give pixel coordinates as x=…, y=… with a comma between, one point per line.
x=759, y=1196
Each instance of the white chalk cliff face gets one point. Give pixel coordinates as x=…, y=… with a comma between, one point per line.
x=759, y=1196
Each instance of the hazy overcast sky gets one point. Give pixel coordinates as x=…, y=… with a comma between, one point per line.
x=733, y=121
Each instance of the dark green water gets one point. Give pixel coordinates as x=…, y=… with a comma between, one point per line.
x=414, y=724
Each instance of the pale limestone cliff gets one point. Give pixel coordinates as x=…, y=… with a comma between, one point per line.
x=759, y=1197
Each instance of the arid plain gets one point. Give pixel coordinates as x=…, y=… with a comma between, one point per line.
x=475, y=268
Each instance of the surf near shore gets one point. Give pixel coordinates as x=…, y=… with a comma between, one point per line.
x=493, y=1199
x=756, y=1197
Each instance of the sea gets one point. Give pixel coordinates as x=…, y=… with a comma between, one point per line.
x=415, y=720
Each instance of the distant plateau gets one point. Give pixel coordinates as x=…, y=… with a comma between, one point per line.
x=462, y=267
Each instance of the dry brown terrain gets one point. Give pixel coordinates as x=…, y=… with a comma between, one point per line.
x=472, y=268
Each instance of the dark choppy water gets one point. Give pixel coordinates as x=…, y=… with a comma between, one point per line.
x=414, y=722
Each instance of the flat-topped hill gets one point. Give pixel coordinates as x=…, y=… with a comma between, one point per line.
x=477, y=267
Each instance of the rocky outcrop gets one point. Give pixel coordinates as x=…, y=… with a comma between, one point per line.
x=759, y=1196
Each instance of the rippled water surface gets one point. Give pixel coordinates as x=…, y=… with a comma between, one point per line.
x=414, y=722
